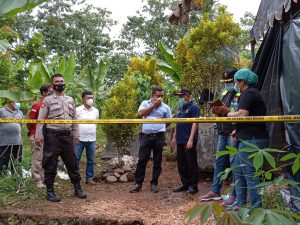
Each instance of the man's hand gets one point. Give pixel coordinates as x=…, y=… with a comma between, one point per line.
x=39, y=141
x=173, y=143
x=76, y=139
x=157, y=102
x=189, y=144
x=220, y=110
x=233, y=136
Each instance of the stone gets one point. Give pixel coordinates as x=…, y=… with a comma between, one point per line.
x=117, y=175
x=126, y=168
x=123, y=178
x=130, y=177
x=106, y=175
x=118, y=170
x=111, y=179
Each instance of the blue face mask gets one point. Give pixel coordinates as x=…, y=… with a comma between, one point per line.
x=228, y=86
x=181, y=101
x=236, y=88
x=17, y=105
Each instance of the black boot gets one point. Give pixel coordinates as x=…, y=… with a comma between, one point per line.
x=51, y=196
x=78, y=192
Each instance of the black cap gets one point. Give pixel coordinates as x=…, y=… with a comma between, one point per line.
x=228, y=76
x=183, y=91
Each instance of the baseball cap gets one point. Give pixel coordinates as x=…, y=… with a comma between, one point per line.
x=183, y=91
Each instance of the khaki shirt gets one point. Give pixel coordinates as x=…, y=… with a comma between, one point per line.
x=57, y=108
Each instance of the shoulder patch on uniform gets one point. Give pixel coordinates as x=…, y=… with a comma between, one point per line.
x=33, y=110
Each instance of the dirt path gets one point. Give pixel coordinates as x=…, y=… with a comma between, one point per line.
x=114, y=202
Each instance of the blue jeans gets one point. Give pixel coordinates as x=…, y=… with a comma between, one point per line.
x=90, y=147
x=244, y=174
x=222, y=162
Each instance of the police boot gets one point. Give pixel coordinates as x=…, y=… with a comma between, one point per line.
x=51, y=196
x=78, y=192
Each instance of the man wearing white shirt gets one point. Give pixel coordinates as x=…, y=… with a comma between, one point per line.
x=87, y=133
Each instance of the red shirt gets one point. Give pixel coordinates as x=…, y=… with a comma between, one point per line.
x=34, y=113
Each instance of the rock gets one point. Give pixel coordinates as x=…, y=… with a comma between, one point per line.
x=117, y=175
x=126, y=168
x=123, y=178
x=130, y=177
x=118, y=170
x=106, y=175
x=111, y=179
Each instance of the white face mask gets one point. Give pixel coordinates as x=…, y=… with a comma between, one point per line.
x=89, y=102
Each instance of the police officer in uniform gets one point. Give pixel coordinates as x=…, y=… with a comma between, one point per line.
x=59, y=138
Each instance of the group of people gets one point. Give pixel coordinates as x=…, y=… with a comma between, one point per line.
x=51, y=141
x=239, y=99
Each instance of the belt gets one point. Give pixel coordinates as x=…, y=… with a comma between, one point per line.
x=154, y=134
x=52, y=132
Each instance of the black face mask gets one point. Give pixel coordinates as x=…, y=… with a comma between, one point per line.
x=59, y=87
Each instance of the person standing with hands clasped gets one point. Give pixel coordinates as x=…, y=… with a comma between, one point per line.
x=59, y=138
x=87, y=134
x=185, y=139
x=152, y=139
x=250, y=104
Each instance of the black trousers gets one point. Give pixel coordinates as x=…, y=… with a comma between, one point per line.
x=187, y=165
x=150, y=143
x=55, y=146
x=8, y=153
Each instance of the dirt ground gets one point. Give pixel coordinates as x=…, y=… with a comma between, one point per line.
x=113, y=202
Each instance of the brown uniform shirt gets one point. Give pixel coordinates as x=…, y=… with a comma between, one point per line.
x=58, y=108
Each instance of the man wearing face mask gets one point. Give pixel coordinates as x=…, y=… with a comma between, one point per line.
x=87, y=134
x=152, y=139
x=185, y=139
x=250, y=104
x=37, y=150
x=58, y=139
x=10, y=135
x=224, y=139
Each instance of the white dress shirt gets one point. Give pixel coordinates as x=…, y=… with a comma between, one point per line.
x=87, y=132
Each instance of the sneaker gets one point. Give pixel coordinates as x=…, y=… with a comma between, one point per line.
x=180, y=189
x=192, y=190
x=229, y=201
x=154, y=188
x=135, y=188
x=234, y=207
x=211, y=196
x=91, y=182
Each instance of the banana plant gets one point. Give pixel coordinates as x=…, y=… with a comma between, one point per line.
x=94, y=80
x=41, y=74
x=11, y=8
x=168, y=65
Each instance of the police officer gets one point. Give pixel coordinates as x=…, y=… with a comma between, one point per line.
x=59, y=138
x=185, y=138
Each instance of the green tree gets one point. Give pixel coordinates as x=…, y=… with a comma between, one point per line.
x=121, y=105
x=151, y=25
x=70, y=26
x=203, y=53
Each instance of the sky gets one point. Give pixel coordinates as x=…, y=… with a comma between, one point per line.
x=121, y=9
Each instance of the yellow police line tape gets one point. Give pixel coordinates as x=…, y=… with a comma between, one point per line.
x=288, y=118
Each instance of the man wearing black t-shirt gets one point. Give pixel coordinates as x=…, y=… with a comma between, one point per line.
x=250, y=104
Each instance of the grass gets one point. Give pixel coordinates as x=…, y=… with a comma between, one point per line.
x=10, y=184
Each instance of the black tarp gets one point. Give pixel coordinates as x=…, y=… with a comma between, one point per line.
x=278, y=66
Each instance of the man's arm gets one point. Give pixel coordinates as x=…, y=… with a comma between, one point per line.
x=44, y=110
x=146, y=111
x=239, y=113
x=190, y=143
